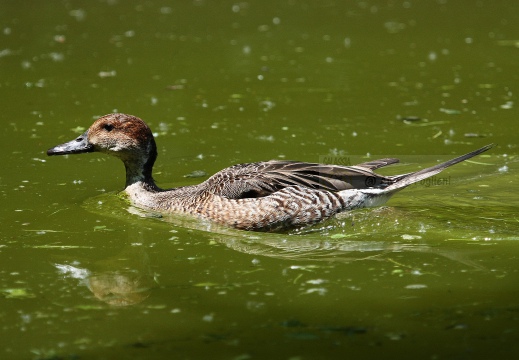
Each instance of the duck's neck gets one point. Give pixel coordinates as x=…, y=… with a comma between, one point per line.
x=139, y=169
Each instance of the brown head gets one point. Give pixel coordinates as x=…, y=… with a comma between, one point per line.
x=124, y=136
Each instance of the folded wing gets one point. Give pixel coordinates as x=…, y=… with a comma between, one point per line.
x=264, y=178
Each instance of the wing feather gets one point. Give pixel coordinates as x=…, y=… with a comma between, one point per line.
x=264, y=178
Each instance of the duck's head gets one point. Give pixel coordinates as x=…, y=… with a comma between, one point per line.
x=124, y=136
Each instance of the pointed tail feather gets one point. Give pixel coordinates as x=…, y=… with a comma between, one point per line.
x=405, y=180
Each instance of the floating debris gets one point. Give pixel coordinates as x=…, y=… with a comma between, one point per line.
x=424, y=122
x=6, y=52
x=437, y=134
x=320, y=291
x=196, y=174
x=175, y=87
x=503, y=169
x=411, y=237
x=105, y=74
x=474, y=135
x=268, y=138
x=102, y=228
x=416, y=286
x=450, y=111
x=17, y=293
x=78, y=129
x=514, y=43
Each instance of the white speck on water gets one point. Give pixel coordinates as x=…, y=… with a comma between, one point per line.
x=60, y=38
x=508, y=105
x=347, y=42
x=320, y=291
x=78, y=14
x=316, y=281
x=269, y=138
x=175, y=311
x=208, y=317
x=276, y=21
x=503, y=169
x=72, y=271
x=56, y=57
x=246, y=50
x=416, y=286
x=154, y=101
x=267, y=105
x=105, y=74
x=411, y=237
x=255, y=261
x=164, y=127
x=5, y=52
x=260, y=77
x=354, y=134
x=40, y=83
x=26, y=318
x=7, y=31
x=432, y=56
x=469, y=40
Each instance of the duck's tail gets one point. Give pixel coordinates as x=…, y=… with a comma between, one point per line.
x=402, y=181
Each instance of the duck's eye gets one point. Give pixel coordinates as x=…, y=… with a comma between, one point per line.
x=108, y=127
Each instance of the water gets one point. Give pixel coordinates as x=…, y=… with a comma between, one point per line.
x=432, y=275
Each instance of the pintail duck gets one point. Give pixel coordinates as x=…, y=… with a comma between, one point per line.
x=266, y=196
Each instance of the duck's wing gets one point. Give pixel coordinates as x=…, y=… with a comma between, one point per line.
x=264, y=178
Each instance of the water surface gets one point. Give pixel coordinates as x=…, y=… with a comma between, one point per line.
x=432, y=275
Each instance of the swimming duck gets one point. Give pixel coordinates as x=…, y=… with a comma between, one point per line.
x=263, y=196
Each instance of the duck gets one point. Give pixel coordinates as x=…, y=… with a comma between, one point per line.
x=261, y=196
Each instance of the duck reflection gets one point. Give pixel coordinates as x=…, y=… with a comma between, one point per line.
x=121, y=280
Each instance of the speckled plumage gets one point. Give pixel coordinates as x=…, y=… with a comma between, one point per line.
x=265, y=196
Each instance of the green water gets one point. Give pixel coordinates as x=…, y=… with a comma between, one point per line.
x=433, y=275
